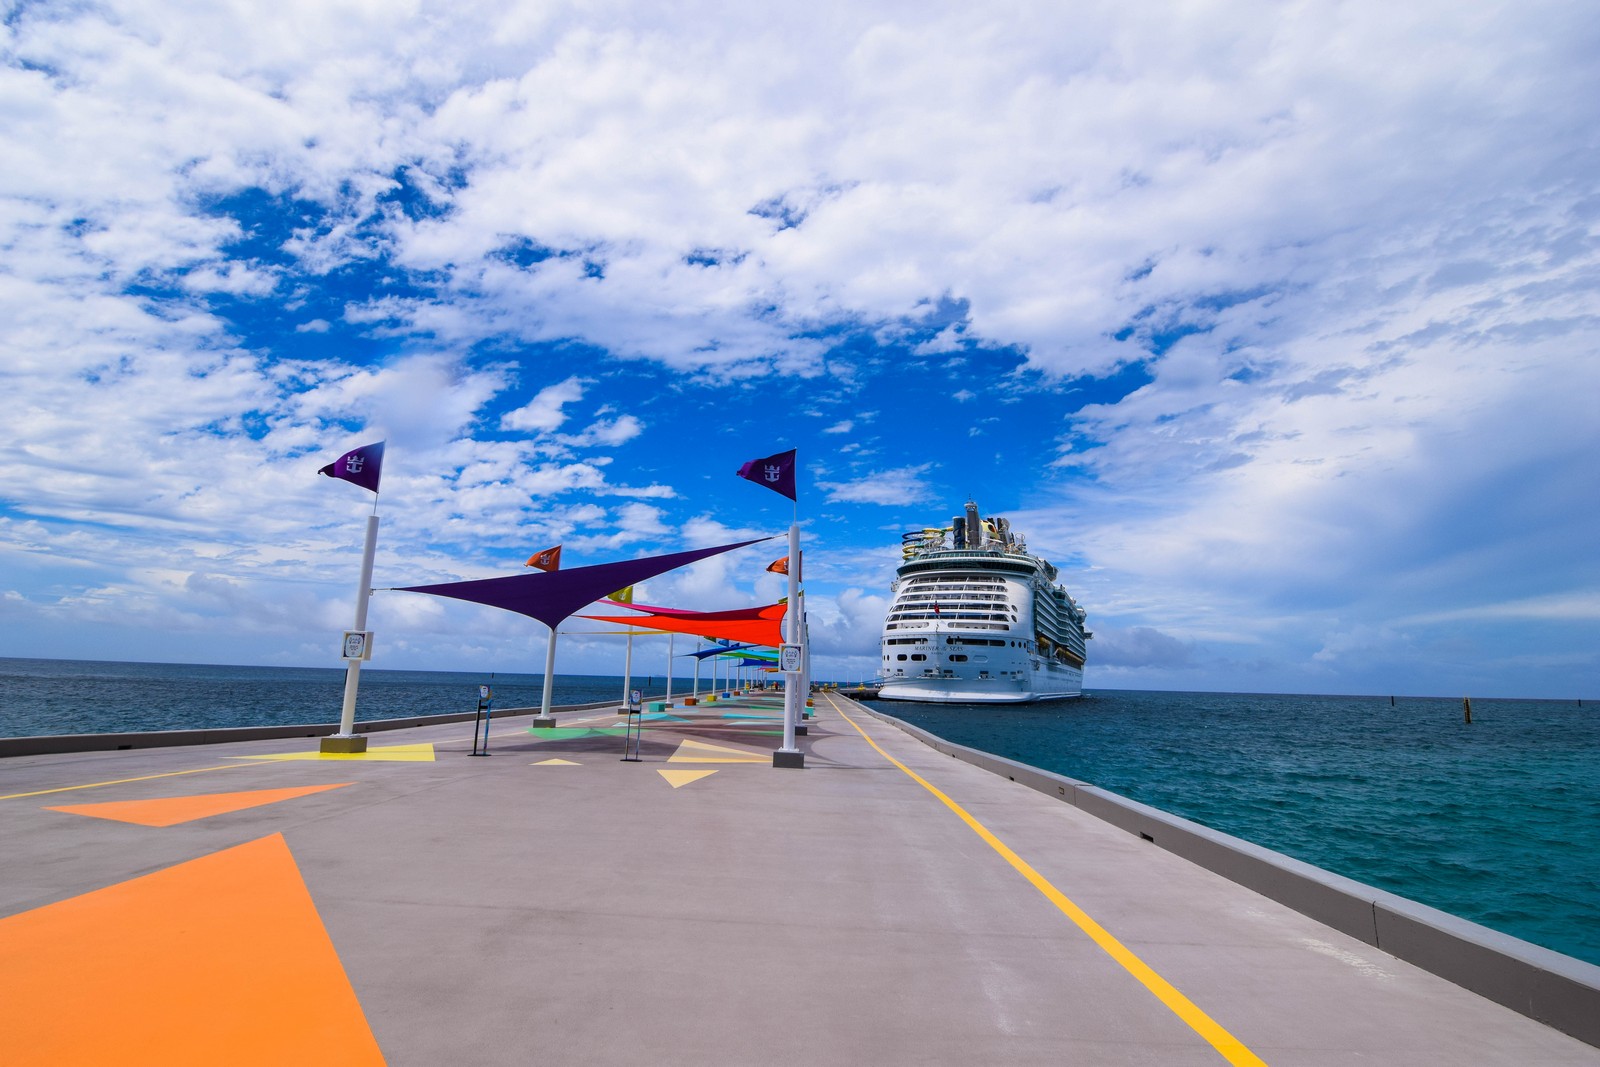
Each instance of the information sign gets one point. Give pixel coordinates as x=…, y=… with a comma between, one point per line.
x=358, y=644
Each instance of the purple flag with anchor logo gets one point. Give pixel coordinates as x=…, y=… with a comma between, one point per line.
x=774, y=472
x=360, y=465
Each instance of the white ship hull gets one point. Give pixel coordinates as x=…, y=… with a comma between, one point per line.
x=978, y=620
x=1033, y=686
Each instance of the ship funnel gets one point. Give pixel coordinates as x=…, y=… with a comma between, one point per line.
x=975, y=536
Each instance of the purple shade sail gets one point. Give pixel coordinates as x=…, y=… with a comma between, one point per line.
x=362, y=465
x=774, y=472
x=551, y=596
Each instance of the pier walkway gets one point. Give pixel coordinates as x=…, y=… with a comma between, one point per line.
x=257, y=902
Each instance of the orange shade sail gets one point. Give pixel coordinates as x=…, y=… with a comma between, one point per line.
x=758, y=626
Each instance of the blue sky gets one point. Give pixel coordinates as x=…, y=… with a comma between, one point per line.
x=1274, y=326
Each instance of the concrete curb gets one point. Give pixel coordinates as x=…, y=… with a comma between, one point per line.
x=51, y=744
x=1555, y=989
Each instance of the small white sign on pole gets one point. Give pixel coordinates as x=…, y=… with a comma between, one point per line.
x=789, y=659
x=358, y=644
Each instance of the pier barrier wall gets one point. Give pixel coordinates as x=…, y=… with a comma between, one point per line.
x=48, y=744
x=1556, y=989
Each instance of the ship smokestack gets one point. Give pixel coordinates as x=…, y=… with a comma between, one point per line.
x=975, y=537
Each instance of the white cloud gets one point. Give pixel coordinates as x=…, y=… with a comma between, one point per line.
x=544, y=413
x=607, y=432
x=900, y=485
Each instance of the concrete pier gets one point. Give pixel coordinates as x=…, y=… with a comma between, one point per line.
x=260, y=901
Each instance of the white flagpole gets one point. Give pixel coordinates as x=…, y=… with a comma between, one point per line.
x=805, y=654
x=803, y=679
x=697, y=644
x=789, y=755
x=670, y=639
x=347, y=740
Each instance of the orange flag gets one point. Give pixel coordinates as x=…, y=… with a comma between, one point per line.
x=548, y=560
x=781, y=566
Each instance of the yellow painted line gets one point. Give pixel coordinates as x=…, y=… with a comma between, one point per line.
x=419, y=753
x=119, y=781
x=1232, y=1049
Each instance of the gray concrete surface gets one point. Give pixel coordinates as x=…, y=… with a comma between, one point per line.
x=506, y=911
x=1527, y=978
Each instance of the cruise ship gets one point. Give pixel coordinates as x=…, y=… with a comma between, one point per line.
x=977, y=619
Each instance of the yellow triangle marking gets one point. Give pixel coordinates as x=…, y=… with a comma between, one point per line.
x=679, y=779
x=170, y=811
x=555, y=763
x=222, y=957
x=686, y=753
x=385, y=754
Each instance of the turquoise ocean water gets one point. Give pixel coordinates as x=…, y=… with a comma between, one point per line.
x=1498, y=822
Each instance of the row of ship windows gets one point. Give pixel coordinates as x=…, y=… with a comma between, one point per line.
x=962, y=594
x=954, y=658
x=934, y=672
x=968, y=624
x=953, y=641
x=951, y=616
x=981, y=583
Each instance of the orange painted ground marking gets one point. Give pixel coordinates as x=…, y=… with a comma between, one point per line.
x=222, y=959
x=170, y=811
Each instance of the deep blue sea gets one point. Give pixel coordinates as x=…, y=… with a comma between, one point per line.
x=46, y=696
x=1497, y=821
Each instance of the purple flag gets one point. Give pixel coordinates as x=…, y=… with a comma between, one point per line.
x=360, y=465
x=774, y=472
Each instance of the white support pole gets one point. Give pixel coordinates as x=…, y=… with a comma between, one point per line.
x=789, y=755
x=803, y=679
x=670, y=639
x=346, y=740
x=697, y=644
x=544, y=718
x=627, y=674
